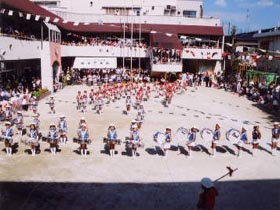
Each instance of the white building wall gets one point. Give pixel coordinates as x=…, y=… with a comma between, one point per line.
x=151, y=12
x=16, y=49
x=102, y=51
x=46, y=67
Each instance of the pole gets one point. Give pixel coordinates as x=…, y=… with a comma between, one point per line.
x=131, y=50
x=140, y=28
x=42, y=35
x=230, y=172
x=223, y=49
x=123, y=41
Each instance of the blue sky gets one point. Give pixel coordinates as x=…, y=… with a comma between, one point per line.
x=247, y=15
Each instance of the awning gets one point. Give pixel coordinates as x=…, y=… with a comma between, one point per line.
x=52, y=27
x=94, y=63
x=165, y=40
x=32, y=8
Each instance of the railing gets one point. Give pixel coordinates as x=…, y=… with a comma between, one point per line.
x=143, y=19
x=202, y=54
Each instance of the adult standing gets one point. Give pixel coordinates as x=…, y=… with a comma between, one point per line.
x=207, y=198
x=275, y=132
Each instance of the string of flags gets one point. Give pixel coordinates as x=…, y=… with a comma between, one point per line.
x=29, y=16
x=208, y=55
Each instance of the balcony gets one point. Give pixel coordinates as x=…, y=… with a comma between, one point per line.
x=202, y=54
x=102, y=51
x=143, y=19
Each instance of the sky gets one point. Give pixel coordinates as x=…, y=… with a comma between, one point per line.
x=246, y=15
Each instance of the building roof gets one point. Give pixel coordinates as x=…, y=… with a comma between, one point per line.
x=167, y=41
x=267, y=34
x=32, y=8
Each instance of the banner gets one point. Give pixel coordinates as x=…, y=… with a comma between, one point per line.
x=94, y=63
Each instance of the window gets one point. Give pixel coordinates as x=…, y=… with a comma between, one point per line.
x=188, y=13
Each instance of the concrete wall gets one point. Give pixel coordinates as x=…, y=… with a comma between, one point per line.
x=167, y=67
x=102, y=51
x=16, y=49
x=155, y=19
x=46, y=67
x=202, y=54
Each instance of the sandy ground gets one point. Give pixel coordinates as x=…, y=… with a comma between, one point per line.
x=150, y=181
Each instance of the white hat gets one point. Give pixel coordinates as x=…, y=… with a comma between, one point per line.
x=112, y=125
x=207, y=182
x=133, y=121
x=134, y=126
x=32, y=123
x=8, y=123
x=52, y=124
x=19, y=112
x=36, y=115
x=276, y=123
x=82, y=118
x=195, y=127
x=61, y=116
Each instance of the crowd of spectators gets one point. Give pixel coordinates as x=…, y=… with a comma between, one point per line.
x=166, y=56
x=97, y=76
x=115, y=42
x=18, y=33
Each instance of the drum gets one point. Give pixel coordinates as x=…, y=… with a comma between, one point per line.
x=159, y=138
x=206, y=134
x=81, y=141
x=49, y=140
x=233, y=136
x=107, y=141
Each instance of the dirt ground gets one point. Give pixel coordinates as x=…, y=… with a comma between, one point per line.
x=149, y=181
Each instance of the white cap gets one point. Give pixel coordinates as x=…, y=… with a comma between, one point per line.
x=207, y=182
x=19, y=112
x=276, y=123
x=8, y=123
x=112, y=125
x=36, y=115
x=195, y=127
x=133, y=121
x=52, y=124
x=61, y=116
x=82, y=118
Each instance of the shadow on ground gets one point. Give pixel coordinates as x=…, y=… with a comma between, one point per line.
x=241, y=195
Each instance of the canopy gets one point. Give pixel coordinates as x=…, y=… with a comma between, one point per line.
x=165, y=40
x=32, y=8
x=260, y=75
x=52, y=27
x=94, y=63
